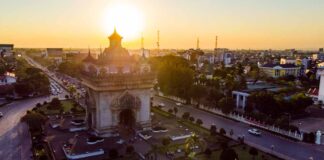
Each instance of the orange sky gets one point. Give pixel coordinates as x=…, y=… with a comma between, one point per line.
x=255, y=24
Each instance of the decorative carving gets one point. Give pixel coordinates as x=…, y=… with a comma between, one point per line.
x=126, y=101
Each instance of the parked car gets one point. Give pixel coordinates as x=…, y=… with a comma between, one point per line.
x=178, y=104
x=161, y=104
x=255, y=132
x=1, y=114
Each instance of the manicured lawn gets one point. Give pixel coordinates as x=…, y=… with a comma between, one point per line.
x=67, y=105
x=161, y=112
x=198, y=129
x=243, y=154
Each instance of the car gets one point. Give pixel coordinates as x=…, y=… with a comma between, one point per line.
x=1, y=114
x=178, y=104
x=161, y=104
x=255, y=132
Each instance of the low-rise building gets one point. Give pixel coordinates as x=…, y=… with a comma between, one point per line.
x=7, y=79
x=280, y=70
x=6, y=49
x=56, y=54
x=241, y=96
x=288, y=61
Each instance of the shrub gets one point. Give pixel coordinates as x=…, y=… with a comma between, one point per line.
x=166, y=141
x=186, y=115
x=55, y=104
x=191, y=119
x=38, y=105
x=199, y=122
x=213, y=130
x=222, y=131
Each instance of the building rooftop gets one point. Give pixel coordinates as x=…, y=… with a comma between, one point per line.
x=270, y=65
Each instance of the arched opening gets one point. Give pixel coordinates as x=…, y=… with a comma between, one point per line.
x=127, y=118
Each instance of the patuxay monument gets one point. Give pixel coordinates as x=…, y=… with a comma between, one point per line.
x=119, y=89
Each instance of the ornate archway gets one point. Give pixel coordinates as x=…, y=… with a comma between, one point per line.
x=127, y=118
x=126, y=108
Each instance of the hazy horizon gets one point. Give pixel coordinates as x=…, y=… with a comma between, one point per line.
x=249, y=24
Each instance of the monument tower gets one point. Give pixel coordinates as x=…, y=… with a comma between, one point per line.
x=118, y=89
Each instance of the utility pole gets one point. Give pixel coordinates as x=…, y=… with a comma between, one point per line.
x=158, y=41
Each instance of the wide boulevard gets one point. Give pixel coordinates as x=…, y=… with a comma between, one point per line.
x=284, y=148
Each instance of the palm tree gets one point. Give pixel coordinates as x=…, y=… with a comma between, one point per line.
x=71, y=89
x=191, y=143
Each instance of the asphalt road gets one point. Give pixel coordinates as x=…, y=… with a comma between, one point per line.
x=286, y=148
x=15, y=139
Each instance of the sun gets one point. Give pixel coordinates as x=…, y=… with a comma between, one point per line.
x=127, y=19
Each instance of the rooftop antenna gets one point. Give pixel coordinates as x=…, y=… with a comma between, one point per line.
x=198, y=43
x=216, y=43
x=100, y=52
x=142, y=45
x=158, y=41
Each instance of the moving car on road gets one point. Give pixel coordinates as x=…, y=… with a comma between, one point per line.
x=255, y=132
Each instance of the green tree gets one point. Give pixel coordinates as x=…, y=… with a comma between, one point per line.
x=34, y=120
x=191, y=143
x=175, y=77
x=254, y=152
x=197, y=92
x=226, y=104
x=264, y=102
x=71, y=89
x=228, y=154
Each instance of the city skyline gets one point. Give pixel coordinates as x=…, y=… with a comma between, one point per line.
x=239, y=25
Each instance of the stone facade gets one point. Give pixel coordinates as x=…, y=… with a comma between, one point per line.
x=119, y=89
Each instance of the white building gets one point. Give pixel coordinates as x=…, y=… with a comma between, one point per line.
x=321, y=86
x=288, y=61
x=7, y=79
x=241, y=96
